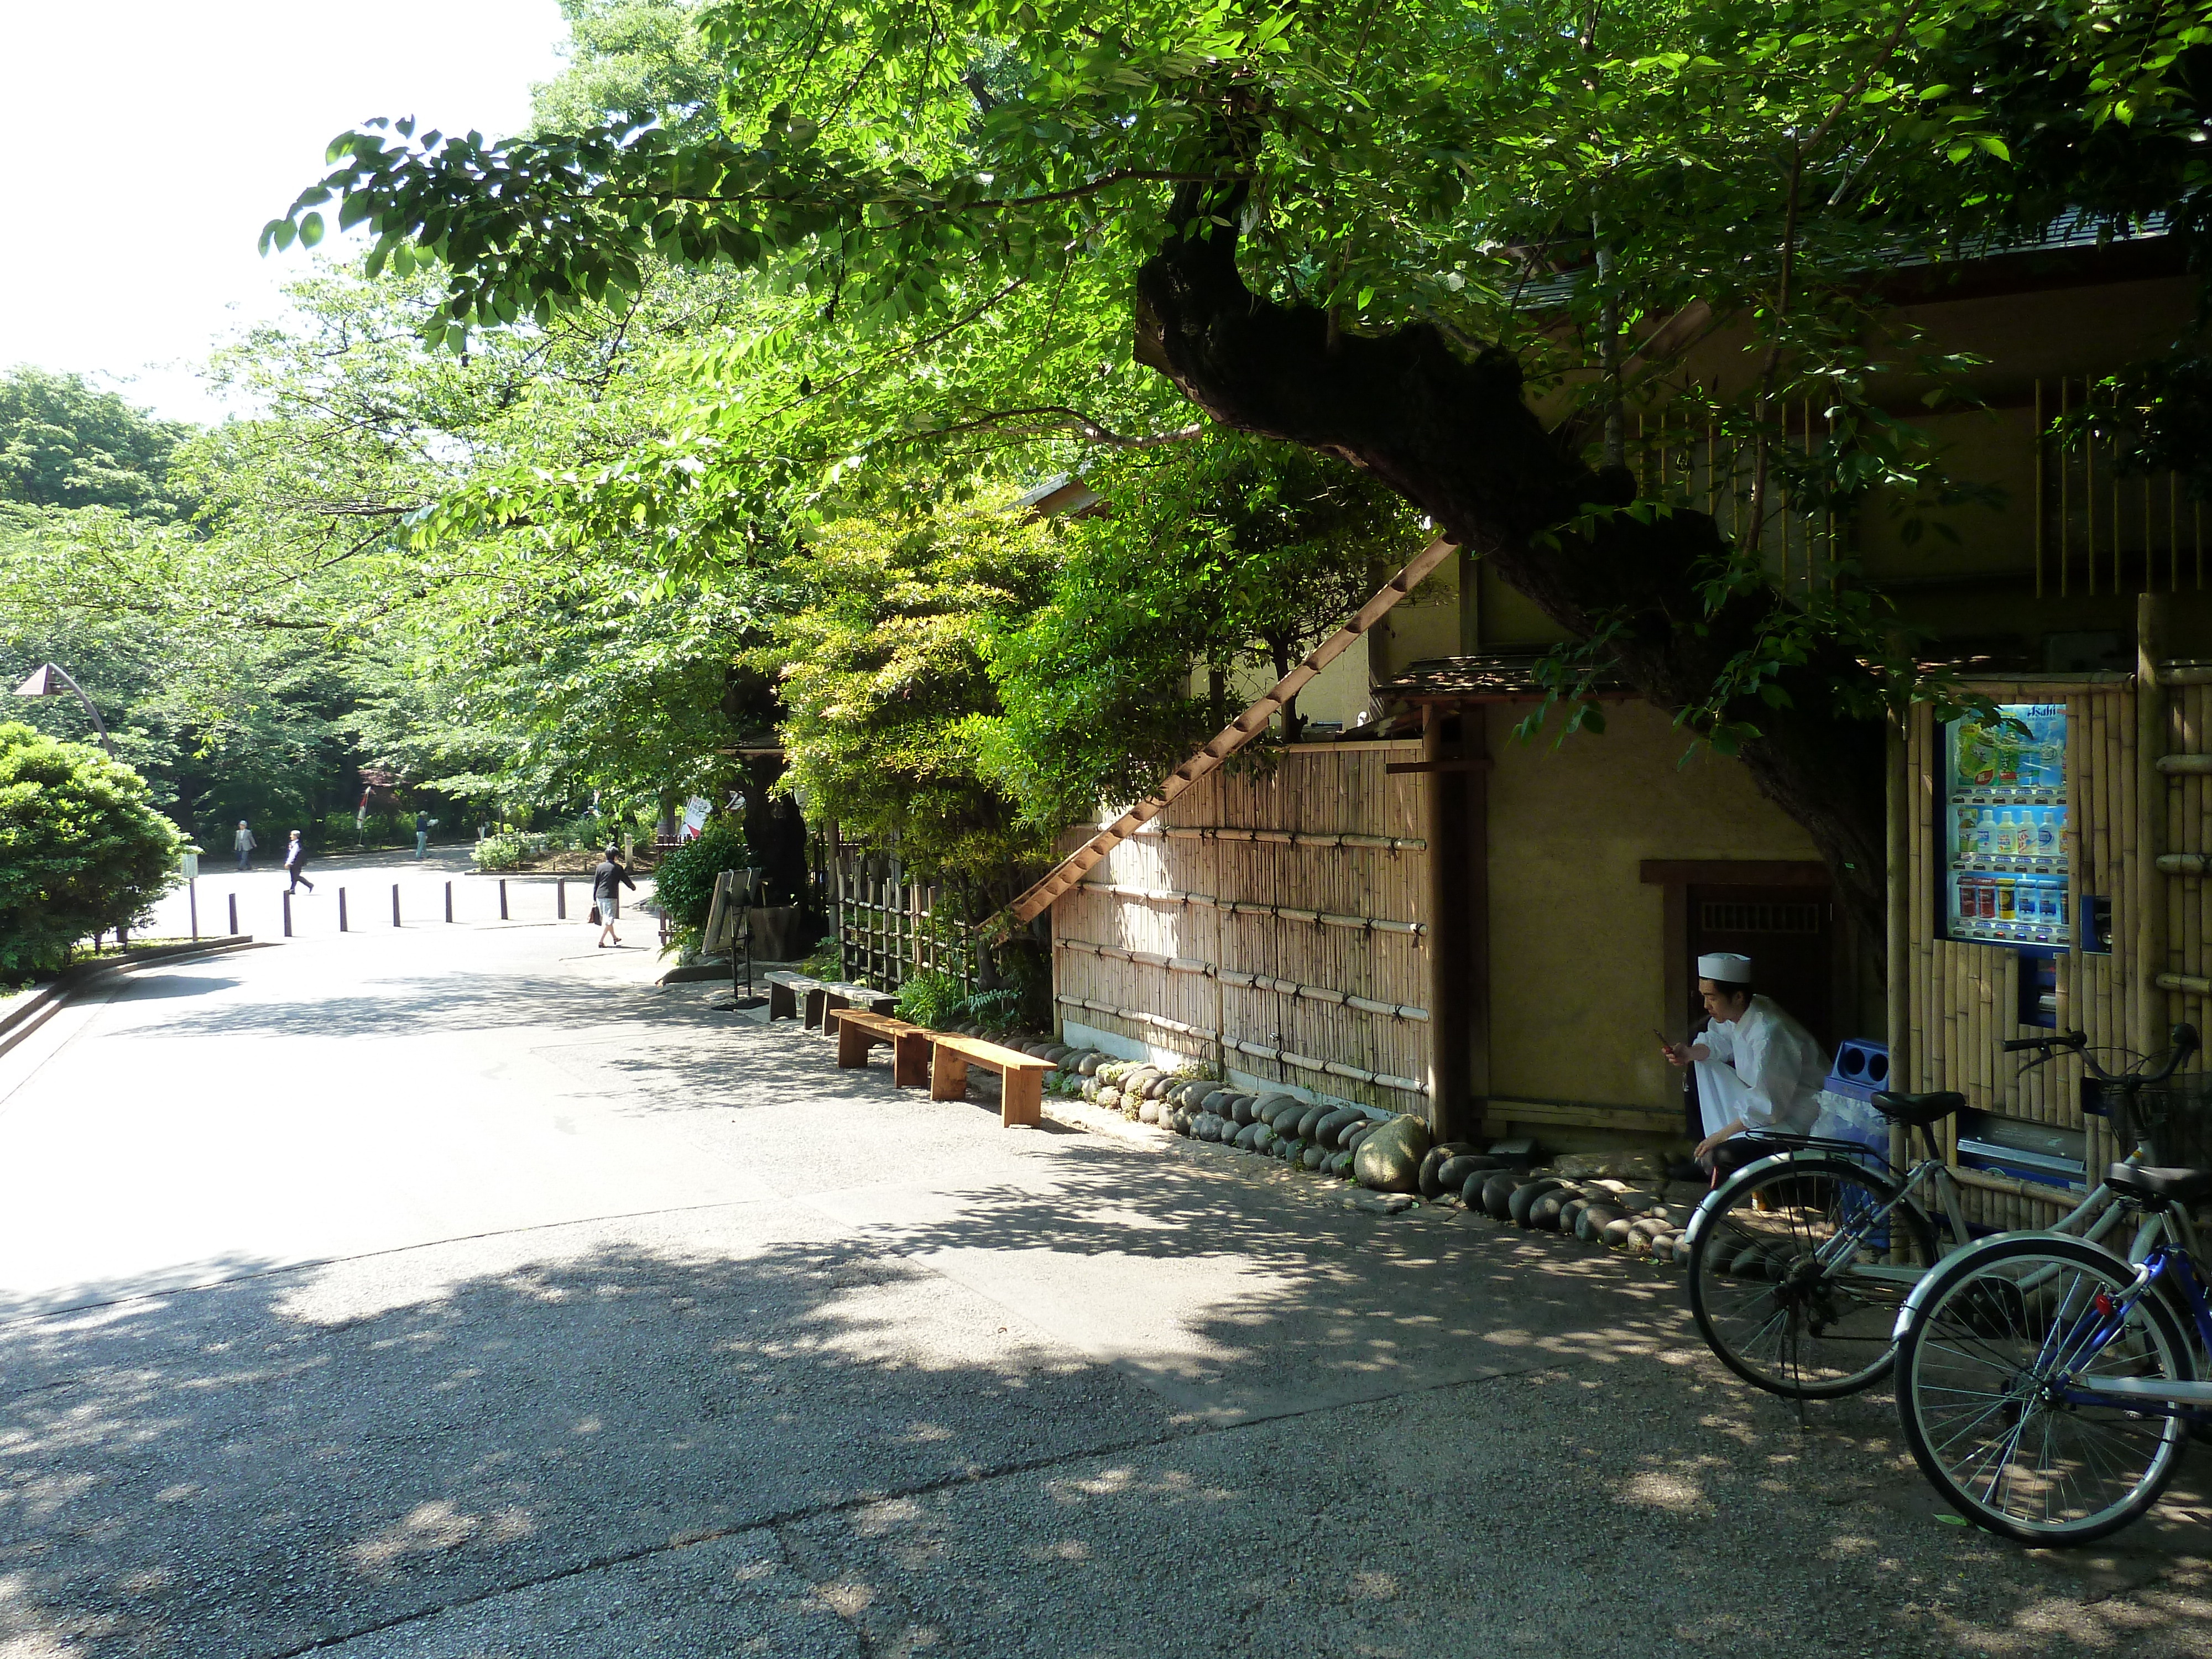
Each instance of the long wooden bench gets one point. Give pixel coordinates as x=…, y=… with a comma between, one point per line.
x=858, y=1030
x=791, y=994
x=1021, y=1076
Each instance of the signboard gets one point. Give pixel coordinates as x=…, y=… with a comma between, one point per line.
x=191, y=866
x=695, y=817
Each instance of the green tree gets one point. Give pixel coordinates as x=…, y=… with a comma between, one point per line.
x=885, y=681
x=63, y=445
x=81, y=850
x=1207, y=558
x=1325, y=225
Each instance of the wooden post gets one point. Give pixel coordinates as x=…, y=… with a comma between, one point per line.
x=502, y=898
x=2149, y=1001
x=1474, y=801
x=449, y=901
x=1447, y=942
x=560, y=900
x=395, y=904
x=233, y=916
x=287, y=896
x=1897, y=972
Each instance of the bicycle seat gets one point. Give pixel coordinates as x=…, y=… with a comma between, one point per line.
x=1919, y=1110
x=2174, y=1186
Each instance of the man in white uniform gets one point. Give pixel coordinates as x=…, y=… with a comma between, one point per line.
x=1757, y=1068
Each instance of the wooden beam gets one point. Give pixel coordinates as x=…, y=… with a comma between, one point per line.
x=1444, y=810
x=1064, y=876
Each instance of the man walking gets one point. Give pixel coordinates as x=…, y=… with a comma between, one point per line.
x=422, y=836
x=245, y=843
x=295, y=858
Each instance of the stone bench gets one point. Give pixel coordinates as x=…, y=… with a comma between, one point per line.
x=858, y=1030
x=790, y=994
x=1021, y=1076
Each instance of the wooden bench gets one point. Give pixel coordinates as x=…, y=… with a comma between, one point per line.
x=1021, y=1076
x=791, y=994
x=858, y=1030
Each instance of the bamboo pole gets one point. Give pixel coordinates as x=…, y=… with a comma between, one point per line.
x=2041, y=504
x=1914, y=1075
x=1897, y=983
x=2152, y=812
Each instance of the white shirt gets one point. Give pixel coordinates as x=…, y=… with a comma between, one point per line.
x=1777, y=1060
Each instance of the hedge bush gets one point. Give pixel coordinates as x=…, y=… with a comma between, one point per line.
x=81, y=850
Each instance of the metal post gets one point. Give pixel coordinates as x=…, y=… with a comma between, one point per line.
x=395, y=904
x=287, y=896
x=193, y=892
x=449, y=901
x=502, y=898
x=560, y=900
x=342, y=914
x=233, y=916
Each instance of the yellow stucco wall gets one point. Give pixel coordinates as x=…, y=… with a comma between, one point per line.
x=1577, y=972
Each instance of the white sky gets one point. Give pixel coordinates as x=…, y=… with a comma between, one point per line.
x=128, y=275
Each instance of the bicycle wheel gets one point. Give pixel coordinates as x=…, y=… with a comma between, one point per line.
x=1797, y=1274
x=1989, y=1339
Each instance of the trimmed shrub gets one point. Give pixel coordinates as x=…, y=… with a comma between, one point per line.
x=81, y=850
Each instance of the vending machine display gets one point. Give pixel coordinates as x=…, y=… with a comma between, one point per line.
x=2004, y=828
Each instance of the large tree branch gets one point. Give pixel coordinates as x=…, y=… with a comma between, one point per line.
x=1455, y=436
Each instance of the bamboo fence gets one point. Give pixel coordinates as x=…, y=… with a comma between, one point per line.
x=887, y=930
x=1268, y=923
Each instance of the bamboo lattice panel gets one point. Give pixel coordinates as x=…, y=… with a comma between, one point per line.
x=1176, y=986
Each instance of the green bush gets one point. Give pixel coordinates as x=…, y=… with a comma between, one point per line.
x=81, y=851
x=505, y=851
x=931, y=1000
x=683, y=881
x=998, y=1011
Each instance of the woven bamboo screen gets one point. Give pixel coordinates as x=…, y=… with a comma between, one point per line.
x=1965, y=997
x=1267, y=922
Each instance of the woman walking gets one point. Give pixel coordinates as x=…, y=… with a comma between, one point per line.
x=295, y=858
x=607, y=883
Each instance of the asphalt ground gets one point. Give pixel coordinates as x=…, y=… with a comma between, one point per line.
x=450, y=1290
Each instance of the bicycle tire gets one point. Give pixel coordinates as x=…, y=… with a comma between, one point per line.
x=1972, y=1348
x=1774, y=1319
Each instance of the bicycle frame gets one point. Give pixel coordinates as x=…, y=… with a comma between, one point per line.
x=1932, y=1170
x=2190, y=1402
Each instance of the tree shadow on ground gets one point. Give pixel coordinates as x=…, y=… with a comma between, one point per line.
x=285, y=1460
x=977, y=1392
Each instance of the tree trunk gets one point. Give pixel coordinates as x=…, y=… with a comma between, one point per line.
x=1456, y=437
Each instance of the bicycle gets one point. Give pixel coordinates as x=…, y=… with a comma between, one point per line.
x=1799, y=1262
x=2047, y=1387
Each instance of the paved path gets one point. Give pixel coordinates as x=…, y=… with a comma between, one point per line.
x=450, y=1291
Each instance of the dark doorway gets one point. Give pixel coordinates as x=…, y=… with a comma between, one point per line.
x=1788, y=934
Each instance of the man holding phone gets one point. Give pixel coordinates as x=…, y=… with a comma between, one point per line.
x=1757, y=1068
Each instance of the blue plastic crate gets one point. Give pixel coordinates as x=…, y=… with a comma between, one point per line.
x=1860, y=1069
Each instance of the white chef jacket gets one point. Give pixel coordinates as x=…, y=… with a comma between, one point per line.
x=1765, y=1069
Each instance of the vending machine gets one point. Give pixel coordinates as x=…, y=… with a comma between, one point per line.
x=2004, y=829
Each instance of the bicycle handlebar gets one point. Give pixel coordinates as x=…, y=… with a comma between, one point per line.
x=2183, y=1038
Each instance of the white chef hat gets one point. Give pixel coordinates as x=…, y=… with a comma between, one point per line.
x=1724, y=968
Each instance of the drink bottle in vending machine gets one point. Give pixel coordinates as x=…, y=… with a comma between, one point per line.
x=2004, y=821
